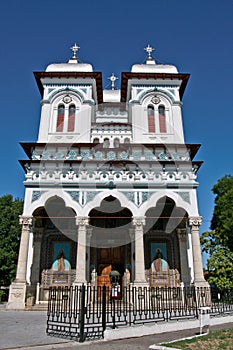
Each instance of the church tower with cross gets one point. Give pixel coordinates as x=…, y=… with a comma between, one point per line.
x=110, y=183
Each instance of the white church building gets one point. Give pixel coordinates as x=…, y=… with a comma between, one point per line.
x=110, y=184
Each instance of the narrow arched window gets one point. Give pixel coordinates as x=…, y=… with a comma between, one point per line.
x=96, y=140
x=116, y=143
x=126, y=140
x=162, y=119
x=71, y=118
x=60, y=118
x=151, y=118
x=106, y=143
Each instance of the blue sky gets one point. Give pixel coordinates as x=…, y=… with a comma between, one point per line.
x=196, y=36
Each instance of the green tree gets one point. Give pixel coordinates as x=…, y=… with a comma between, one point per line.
x=218, y=243
x=10, y=230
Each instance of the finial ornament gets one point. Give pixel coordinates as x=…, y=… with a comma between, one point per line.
x=149, y=50
x=75, y=48
x=113, y=78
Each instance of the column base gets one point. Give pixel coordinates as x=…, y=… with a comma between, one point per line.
x=141, y=284
x=17, y=295
x=79, y=284
x=201, y=284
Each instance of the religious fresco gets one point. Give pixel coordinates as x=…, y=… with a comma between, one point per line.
x=61, y=256
x=159, y=257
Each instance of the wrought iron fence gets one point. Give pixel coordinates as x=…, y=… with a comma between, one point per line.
x=85, y=312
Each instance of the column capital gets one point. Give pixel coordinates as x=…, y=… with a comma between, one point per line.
x=138, y=221
x=195, y=220
x=38, y=233
x=82, y=220
x=181, y=233
x=25, y=220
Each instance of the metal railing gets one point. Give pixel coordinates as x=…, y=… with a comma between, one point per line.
x=85, y=312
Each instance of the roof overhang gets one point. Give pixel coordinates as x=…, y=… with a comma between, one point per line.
x=97, y=76
x=127, y=78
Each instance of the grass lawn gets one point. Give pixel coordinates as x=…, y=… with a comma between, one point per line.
x=215, y=340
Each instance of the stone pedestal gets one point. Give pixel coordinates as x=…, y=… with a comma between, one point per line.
x=17, y=295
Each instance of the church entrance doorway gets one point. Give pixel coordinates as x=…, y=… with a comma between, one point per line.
x=110, y=251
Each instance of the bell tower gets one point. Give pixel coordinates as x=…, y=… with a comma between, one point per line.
x=154, y=92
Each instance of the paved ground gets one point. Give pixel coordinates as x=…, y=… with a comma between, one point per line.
x=26, y=330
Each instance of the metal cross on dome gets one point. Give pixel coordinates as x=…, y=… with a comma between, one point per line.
x=149, y=50
x=113, y=78
x=75, y=48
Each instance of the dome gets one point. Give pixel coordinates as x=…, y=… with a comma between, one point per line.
x=72, y=66
x=69, y=67
x=153, y=68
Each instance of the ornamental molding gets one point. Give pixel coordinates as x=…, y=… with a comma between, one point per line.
x=146, y=196
x=91, y=195
x=74, y=195
x=185, y=196
x=153, y=89
x=195, y=221
x=36, y=195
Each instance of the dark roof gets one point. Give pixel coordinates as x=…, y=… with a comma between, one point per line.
x=94, y=75
x=125, y=76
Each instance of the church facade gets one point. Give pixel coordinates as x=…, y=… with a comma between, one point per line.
x=110, y=184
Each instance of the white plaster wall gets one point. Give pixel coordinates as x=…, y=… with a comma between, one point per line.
x=44, y=123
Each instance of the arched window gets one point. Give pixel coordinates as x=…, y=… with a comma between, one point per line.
x=106, y=143
x=116, y=143
x=71, y=118
x=60, y=118
x=96, y=140
x=151, y=118
x=126, y=140
x=162, y=119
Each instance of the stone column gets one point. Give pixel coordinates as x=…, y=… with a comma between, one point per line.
x=35, y=270
x=82, y=223
x=17, y=292
x=132, y=236
x=194, y=223
x=184, y=268
x=140, y=278
x=88, y=244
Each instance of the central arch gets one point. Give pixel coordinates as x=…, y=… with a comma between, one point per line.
x=110, y=242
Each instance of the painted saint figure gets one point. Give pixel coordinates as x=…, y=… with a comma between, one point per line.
x=61, y=264
x=159, y=264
